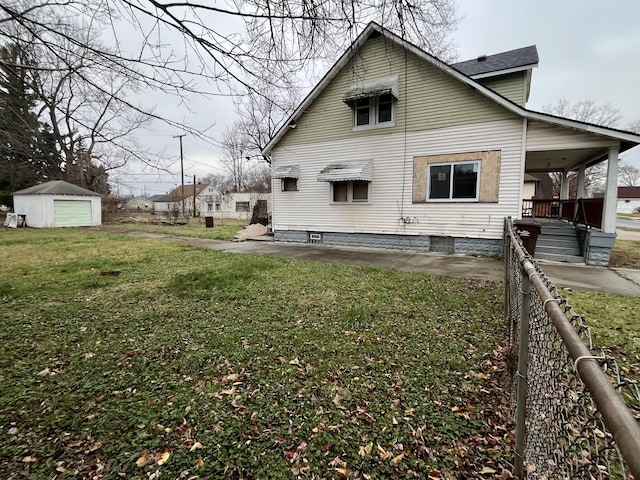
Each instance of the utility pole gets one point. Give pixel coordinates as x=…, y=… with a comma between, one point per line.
x=181, y=170
x=194, y=196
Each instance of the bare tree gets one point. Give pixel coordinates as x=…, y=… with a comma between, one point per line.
x=235, y=159
x=189, y=47
x=590, y=112
x=585, y=111
x=634, y=126
x=260, y=116
x=628, y=175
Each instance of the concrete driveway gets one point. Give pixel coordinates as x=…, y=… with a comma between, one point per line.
x=563, y=275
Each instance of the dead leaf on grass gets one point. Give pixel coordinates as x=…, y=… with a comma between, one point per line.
x=195, y=447
x=161, y=458
x=143, y=460
x=487, y=470
x=397, y=459
x=29, y=459
x=95, y=446
x=199, y=463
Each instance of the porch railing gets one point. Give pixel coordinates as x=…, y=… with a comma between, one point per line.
x=585, y=211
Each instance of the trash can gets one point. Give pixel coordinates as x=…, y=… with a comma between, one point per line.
x=528, y=232
x=208, y=222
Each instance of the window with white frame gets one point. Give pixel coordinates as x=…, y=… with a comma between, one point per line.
x=455, y=181
x=351, y=192
x=375, y=111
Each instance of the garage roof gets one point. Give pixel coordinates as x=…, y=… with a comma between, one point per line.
x=56, y=187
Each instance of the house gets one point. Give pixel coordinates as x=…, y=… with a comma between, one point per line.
x=530, y=186
x=186, y=194
x=58, y=204
x=239, y=206
x=395, y=148
x=166, y=203
x=628, y=199
x=139, y=204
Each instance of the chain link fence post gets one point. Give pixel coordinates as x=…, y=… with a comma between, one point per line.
x=523, y=365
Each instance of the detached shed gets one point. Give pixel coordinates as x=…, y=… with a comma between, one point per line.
x=58, y=204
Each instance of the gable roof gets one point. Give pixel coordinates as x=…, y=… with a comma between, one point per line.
x=56, y=187
x=530, y=178
x=628, y=192
x=164, y=198
x=500, y=63
x=628, y=139
x=187, y=190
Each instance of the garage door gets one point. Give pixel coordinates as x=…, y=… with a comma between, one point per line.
x=72, y=213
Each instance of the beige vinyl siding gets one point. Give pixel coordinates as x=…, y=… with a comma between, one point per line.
x=428, y=98
x=543, y=136
x=310, y=208
x=510, y=86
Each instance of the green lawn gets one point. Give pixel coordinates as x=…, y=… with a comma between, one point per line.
x=123, y=357
x=614, y=323
x=195, y=227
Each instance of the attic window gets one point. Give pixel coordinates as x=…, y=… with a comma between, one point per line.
x=372, y=102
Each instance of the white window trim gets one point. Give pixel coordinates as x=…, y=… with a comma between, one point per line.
x=350, y=200
x=373, y=115
x=451, y=199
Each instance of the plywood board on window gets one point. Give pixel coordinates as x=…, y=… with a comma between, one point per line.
x=489, y=173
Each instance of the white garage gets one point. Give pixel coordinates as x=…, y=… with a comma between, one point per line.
x=58, y=204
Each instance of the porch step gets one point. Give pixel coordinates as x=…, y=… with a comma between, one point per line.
x=558, y=242
x=573, y=250
x=559, y=230
x=559, y=257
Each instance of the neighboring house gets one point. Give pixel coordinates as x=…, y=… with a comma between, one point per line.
x=395, y=148
x=186, y=196
x=530, y=186
x=207, y=200
x=58, y=204
x=139, y=203
x=165, y=203
x=628, y=199
x=240, y=205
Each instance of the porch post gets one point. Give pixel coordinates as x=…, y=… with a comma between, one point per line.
x=580, y=187
x=564, y=186
x=610, y=192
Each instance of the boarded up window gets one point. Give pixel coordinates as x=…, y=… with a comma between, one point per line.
x=440, y=167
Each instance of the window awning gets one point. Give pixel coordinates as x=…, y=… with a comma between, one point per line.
x=291, y=171
x=347, y=173
x=372, y=88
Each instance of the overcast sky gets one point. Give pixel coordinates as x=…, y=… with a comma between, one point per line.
x=588, y=50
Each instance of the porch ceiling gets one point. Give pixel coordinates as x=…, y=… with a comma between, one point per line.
x=555, y=160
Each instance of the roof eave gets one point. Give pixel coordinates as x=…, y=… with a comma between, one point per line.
x=505, y=71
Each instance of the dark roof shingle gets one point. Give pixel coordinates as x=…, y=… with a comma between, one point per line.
x=519, y=57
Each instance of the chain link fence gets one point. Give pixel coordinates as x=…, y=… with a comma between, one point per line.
x=574, y=409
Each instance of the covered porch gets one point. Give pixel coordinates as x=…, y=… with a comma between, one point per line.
x=568, y=151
